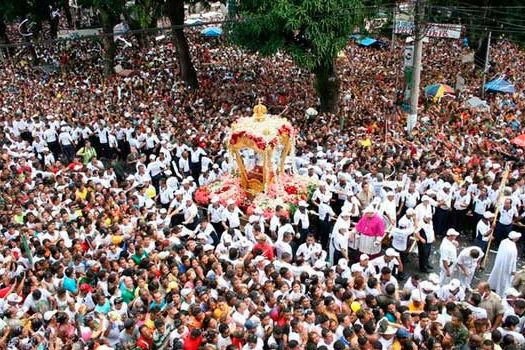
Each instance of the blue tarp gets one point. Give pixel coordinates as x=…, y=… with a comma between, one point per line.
x=212, y=31
x=367, y=41
x=500, y=85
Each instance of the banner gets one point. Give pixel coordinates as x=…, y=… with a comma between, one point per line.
x=433, y=30
x=408, y=56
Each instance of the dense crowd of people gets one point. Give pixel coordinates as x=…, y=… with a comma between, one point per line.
x=104, y=246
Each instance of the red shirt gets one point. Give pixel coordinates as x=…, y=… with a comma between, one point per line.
x=144, y=343
x=192, y=343
x=267, y=250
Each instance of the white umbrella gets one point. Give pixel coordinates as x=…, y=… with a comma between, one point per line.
x=476, y=102
x=311, y=112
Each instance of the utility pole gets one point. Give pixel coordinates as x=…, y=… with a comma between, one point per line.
x=486, y=67
x=419, y=33
x=393, y=46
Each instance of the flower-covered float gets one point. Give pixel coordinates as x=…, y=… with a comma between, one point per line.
x=261, y=180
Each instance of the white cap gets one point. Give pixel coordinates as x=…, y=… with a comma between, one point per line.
x=391, y=252
x=49, y=315
x=514, y=235
x=214, y=199
x=303, y=204
x=390, y=193
x=187, y=198
x=208, y=247
x=427, y=286
x=342, y=262
x=488, y=215
x=230, y=201
x=512, y=292
x=415, y=295
x=454, y=284
x=320, y=264
x=410, y=211
x=357, y=268
x=152, y=157
x=369, y=209
x=185, y=292
x=364, y=257
x=163, y=211
x=425, y=198
x=433, y=278
x=14, y=298
x=452, y=232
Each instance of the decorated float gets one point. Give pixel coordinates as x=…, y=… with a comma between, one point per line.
x=262, y=147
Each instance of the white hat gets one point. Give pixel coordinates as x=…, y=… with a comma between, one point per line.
x=201, y=235
x=49, y=315
x=152, y=157
x=468, y=179
x=303, y=204
x=446, y=185
x=342, y=262
x=410, y=211
x=390, y=193
x=230, y=201
x=215, y=166
x=391, y=252
x=452, y=232
x=320, y=264
x=130, y=178
x=163, y=255
x=416, y=295
x=346, y=213
x=425, y=198
x=14, y=298
x=185, y=181
x=214, y=199
x=163, y=211
x=514, y=235
x=357, y=268
x=454, y=284
x=258, y=259
x=369, y=209
x=208, y=247
x=433, y=278
x=187, y=198
x=364, y=257
x=185, y=292
x=488, y=215
x=512, y=292
x=427, y=286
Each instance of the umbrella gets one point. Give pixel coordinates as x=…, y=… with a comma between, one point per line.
x=500, y=85
x=519, y=140
x=476, y=102
x=437, y=91
x=212, y=32
x=366, y=41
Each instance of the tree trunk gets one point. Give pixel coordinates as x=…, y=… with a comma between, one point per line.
x=53, y=26
x=4, y=38
x=175, y=11
x=135, y=26
x=67, y=11
x=327, y=87
x=108, y=41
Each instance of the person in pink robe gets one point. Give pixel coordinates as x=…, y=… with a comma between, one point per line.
x=371, y=229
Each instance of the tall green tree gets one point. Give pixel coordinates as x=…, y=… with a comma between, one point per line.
x=311, y=31
x=110, y=11
x=175, y=12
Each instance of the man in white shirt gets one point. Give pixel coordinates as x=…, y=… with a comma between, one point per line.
x=467, y=264
x=507, y=215
x=231, y=216
x=215, y=214
x=448, y=252
x=310, y=251
x=444, y=205
x=67, y=143
x=301, y=220
x=481, y=204
x=484, y=230
x=459, y=212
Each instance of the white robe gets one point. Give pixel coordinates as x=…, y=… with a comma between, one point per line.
x=505, y=264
